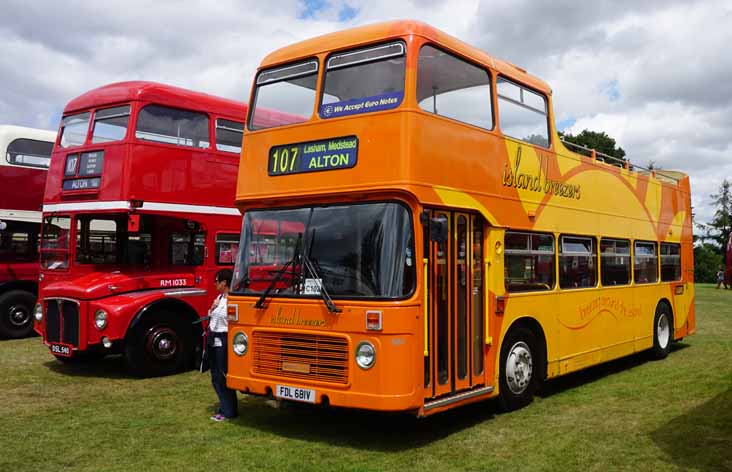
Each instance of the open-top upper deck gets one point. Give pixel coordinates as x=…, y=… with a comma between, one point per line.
x=159, y=146
x=404, y=109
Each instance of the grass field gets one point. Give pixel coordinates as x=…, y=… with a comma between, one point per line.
x=632, y=414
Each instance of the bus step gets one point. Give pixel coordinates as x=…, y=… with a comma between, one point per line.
x=458, y=397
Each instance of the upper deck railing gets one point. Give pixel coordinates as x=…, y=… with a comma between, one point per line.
x=621, y=162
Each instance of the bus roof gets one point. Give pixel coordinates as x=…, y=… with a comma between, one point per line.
x=376, y=32
x=158, y=93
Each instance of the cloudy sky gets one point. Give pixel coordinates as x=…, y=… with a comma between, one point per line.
x=656, y=74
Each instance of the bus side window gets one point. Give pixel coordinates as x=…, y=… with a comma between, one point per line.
x=615, y=254
x=172, y=126
x=187, y=248
x=577, y=262
x=645, y=265
x=670, y=262
x=529, y=261
x=451, y=87
x=227, y=246
x=522, y=113
x=29, y=152
x=229, y=135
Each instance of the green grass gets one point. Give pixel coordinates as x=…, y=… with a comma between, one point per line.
x=632, y=414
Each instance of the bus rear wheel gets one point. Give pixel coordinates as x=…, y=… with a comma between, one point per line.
x=16, y=314
x=160, y=345
x=519, y=369
x=662, y=331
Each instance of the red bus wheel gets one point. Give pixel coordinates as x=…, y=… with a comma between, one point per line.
x=16, y=314
x=160, y=345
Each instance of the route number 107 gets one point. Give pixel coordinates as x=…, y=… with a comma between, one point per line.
x=284, y=160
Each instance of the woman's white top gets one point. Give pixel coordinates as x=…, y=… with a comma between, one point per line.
x=218, y=322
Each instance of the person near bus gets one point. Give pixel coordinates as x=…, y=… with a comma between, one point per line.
x=217, y=336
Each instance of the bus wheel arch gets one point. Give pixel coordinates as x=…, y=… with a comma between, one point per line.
x=522, y=363
x=161, y=338
x=663, y=329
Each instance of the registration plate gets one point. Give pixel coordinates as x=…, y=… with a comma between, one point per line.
x=59, y=349
x=295, y=393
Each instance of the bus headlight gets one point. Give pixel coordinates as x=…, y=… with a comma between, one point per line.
x=100, y=319
x=240, y=344
x=38, y=312
x=365, y=355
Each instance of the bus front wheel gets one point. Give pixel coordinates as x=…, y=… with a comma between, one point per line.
x=662, y=331
x=16, y=314
x=519, y=369
x=160, y=345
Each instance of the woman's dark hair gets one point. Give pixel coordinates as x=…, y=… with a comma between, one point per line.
x=225, y=275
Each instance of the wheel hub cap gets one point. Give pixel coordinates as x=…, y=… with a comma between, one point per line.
x=19, y=316
x=162, y=343
x=663, y=331
x=519, y=367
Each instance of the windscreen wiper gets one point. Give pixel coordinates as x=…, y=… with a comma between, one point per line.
x=312, y=271
x=281, y=273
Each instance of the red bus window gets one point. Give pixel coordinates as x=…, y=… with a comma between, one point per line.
x=74, y=129
x=110, y=124
x=173, y=126
x=227, y=245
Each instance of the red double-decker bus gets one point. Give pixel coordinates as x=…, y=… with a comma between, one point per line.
x=137, y=218
x=24, y=157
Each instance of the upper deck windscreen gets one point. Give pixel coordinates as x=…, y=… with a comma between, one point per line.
x=364, y=80
x=284, y=95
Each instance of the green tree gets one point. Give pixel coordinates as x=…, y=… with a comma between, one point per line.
x=597, y=140
x=721, y=224
x=706, y=263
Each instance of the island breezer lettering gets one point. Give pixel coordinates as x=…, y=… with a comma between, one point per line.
x=539, y=181
x=330, y=154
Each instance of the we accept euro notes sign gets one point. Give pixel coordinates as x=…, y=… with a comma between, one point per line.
x=384, y=101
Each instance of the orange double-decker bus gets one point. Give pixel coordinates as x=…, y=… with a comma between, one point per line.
x=449, y=247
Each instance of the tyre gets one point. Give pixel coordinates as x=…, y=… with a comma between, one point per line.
x=519, y=369
x=662, y=331
x=160, y=345
x=16, y=314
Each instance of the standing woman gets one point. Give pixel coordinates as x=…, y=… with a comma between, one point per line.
x=217, y=340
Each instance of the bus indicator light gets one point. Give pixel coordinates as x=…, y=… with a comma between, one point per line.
x=373, y=321
x=500, y=305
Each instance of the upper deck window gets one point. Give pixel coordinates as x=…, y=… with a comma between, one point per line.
x=450, y=87
x=229, y=135
x=284, y=95
x=364, y=80
x=29, y=152
x=74, y=129
x=110, y=124
x=523, y=113
x=173, y=126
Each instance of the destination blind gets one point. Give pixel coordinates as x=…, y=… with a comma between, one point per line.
x=313, y=156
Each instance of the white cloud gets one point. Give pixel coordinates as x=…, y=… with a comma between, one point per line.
x=654, y=74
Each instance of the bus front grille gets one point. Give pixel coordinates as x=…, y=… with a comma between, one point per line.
x=301, y=356
x=62, y=321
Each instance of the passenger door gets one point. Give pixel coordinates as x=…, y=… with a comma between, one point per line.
x=455, y=304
